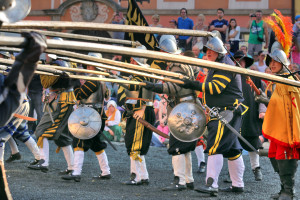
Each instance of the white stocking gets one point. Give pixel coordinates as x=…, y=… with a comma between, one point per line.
x=69, y=156
x=214, y=167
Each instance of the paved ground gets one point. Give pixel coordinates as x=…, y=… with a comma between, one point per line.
x=32, y=185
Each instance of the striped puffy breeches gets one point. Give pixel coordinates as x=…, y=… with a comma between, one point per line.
x=221, y=140
x=137, y=137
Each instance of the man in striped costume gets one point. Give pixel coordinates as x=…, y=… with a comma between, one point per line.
x=180, y=151
x=91, y=94
x=53, y=125
x=223, y=91
x=139, y=101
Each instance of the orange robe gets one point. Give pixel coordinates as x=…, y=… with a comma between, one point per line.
x=282, y=122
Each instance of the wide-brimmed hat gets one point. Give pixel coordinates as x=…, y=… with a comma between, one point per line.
x=240, y=54
x=14, y=10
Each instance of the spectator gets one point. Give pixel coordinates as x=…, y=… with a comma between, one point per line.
x=227, y=46
x=254, y=68
x=112, y=130
x=244, y=49
x=234, y=36
x=258, y=29
x=173, y=23
x=155, y=23
x=295, y=53
x=200, y=27
x=118, y=19
x=261, y=63
x=197, y=49
x=185, y=23
x=296, y=28
x=219, y=24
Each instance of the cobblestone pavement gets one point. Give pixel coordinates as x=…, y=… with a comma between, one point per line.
x=32, y=185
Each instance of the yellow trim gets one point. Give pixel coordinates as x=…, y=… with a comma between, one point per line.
x=203, y=90
x=220, y=83
x=217, y=88
x=223, y=77
x=92, y=83
x=245, y=110
x=123, y=96
x=235, y=157
x=138, y=136
x=216, y=139
x=78, y=149
x=136, y=156
x=99, y=152
x=88, y=88
x=210, y=89
x=220, y=137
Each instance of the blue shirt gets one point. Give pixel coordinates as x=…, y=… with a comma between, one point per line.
x=219, y=24
x=186, y=23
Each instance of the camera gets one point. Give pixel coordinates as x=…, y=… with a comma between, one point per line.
x=253, y=15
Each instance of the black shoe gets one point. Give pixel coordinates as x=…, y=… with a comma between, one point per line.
x=14, y=157
x=190, y=186
x=175, y=186
x=208, y=189
x=233, y=189
x=202, y=167
x=38, y=166
x=145, y=181
x=35, y=162
x=66, y=172
x=257, y=174
x=276, y=196
x=108, y=176
x=68, y=177
x=132, y=180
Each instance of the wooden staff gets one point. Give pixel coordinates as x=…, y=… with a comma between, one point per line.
x=122, y=70
x=105, y=61
x=92, y=47
x=88, y=78
x=103, y=27
x=76, y=36
x=53, y=67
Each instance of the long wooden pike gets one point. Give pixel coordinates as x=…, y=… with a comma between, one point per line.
x=103, y=27
x=89, y=78
x=53, y=67
x=105, y=61
x=76, y=36
x=92, y=47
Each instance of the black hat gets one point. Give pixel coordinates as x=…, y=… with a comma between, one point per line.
x=240, y=54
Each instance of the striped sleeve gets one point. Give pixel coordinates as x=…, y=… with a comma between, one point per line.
x=171, y=88
x=139, y=79
x=85, y=90
x=218, y=83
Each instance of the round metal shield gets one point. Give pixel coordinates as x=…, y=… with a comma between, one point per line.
x=84, y=123
x=187, y=122
x=17, y=11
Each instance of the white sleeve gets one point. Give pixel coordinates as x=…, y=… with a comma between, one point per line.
x=117, y=119
x=106, y=128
